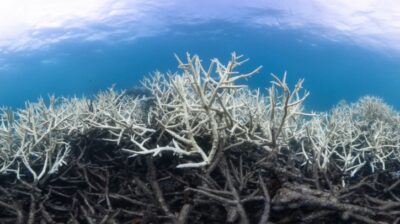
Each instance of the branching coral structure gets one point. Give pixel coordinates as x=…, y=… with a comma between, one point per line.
x=353, y=137
x=199, y=103
x=199, y=146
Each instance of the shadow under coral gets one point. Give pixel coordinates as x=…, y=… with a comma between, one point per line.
x=101, y=184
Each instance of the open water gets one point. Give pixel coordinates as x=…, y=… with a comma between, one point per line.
x=343, y=50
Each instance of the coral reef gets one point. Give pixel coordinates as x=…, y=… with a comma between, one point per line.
x=352, y=138
x=199, y=146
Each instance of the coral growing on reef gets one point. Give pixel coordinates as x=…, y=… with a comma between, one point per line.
x=34, y=140
x=197, y=103
x=124, y=157
x=354, y=137
x=200, y=103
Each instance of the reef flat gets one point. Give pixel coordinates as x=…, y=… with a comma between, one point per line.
x=199, y=146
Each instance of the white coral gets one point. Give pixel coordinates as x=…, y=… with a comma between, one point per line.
x=201, y=103
x=354, y=136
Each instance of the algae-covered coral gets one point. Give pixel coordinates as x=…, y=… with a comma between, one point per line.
x=199, y=147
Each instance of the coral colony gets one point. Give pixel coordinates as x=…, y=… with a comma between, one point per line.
x=198, y=147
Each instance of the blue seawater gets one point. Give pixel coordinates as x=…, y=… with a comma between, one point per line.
x=333, y=69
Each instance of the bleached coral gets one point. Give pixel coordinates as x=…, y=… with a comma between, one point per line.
x=7, y=140
x=39, y=133
x=119, y=114
x=186, y=108
x=201, y=102
x=197, y=114
x=209, y=102
x=352, y=137
x=285, y=111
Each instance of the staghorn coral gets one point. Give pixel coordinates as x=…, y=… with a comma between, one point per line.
x=260, y=157
x=203, y=103
x=352, y=137
x=209, y=102
x=7, y=140
x=39, y=132
x=200, y=102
